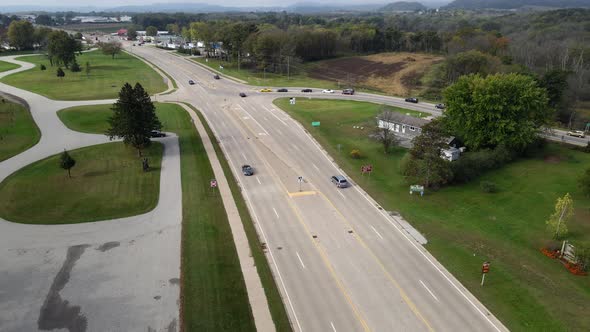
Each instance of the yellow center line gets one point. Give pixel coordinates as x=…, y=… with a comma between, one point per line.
x=403, y=294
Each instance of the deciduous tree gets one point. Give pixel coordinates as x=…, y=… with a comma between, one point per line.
x=111, y=48
x=62, y=48
x=151, y=31
x=134, y=117
x=557, y=222
x=21, y=35
x=384, y=130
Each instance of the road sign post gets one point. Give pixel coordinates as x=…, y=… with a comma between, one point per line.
x=315, y=124
x=300, y=180
x=485, y=268
x=367, y=169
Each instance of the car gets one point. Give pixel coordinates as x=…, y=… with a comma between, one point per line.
x=307, y=90
x=340, y=181
x=266, y=90
x=157, y=133
x=412, y=100
x=576, y=133
x=328, y=91
x=282, y=90
x=191, y=82
x=216, y=77
x=348, y=91
x=247, y=170
x=242, y=94
x=133, y=44
x=440, y=106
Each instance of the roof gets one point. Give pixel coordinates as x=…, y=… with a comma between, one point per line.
x=407, y=120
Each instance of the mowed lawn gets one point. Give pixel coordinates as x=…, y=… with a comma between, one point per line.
x=464, y=226
x=107, y=182
x=104, y=81
x=18, y=131
x=213, y=293
x=5, y=66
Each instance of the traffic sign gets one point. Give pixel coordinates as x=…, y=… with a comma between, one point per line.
x=213, y=183
x=485, y=268
x=300, y=179
x=366, y=169
x=315, y=124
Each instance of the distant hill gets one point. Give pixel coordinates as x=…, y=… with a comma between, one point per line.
x=403, y=6
x=515, y=4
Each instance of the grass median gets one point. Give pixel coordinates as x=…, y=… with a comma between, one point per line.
x=104, y=81
x=18, y=130
x=6, y=66
x=213, y=293
x=107, y=182
x=465, y=226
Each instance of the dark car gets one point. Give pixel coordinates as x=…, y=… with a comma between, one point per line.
x=242, y=94
x=307, y=90
x=348, y=91
x=216, y=77
x=412, y=100
x=247, y=170
x=157, y=133
x=191, y=82
x=340, y=181
x=440, y=106
x=282, y=90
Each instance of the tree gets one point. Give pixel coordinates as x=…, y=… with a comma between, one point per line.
x=557, y=222
x=423, y=164
x=87, y=68
x=131, y=33
x=67, y=162
x=75, y=67
x=134, y=117
x=111, y=48
x=555, y=81
x=151, y=31
x=21, y=35
x=44, y=19
x=384, y=130
x=42, y=67
x=584, y=182
x=60, y=72
x=173, y=29
x=62, y=48
x=498, y=109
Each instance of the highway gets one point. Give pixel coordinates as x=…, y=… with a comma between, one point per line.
x=340, y=261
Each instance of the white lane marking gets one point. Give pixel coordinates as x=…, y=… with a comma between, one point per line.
x=295, y=147
x=243, y=155
x=315, y=167
x=235, y=140
x=429, y=291
x=374, y=230
x=258, y=179
x=333, y=328
x=386, y=217
x=250, y=115
x=341, y=194
x=300, y=260
x=276, y=213
x=271, y=113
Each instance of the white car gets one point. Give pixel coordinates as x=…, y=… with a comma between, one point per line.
x=328, y=91
x=576, y=133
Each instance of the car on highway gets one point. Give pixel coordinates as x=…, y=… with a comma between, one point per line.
x=576, y=133
x=412, y=100
x=216, y=77
x=307, y=90
x=157, y=133
x=242, y=94
x=191, y=82
x=266, y=90
x=282, y=90
x=440, y=106
x=348, y=91
x=328, y=91
x=247, y=170
x=340, y=181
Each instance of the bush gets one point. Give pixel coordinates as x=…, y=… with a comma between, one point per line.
x=75, y=67
x=488, y=187
x=355, y=154
x=43, y=67
x=473, y=164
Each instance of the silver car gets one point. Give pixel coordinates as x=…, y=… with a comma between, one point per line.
x=340, y=181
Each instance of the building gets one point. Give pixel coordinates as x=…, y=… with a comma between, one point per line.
x=403, y=125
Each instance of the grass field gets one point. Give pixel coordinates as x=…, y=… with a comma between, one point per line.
x=105, y=80
x=107, y=182
x=18, y=131
x=87, y=119
x=464, y=226
x=5, y=66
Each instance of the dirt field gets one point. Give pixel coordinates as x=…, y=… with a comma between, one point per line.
x=392, y=73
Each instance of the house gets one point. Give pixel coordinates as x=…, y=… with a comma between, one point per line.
x=402, y=124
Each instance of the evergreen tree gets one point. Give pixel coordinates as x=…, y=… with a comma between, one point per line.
x=60, y=72
x=67, y=162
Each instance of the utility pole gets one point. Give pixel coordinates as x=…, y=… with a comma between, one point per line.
x=288, y=69
x=238, y=60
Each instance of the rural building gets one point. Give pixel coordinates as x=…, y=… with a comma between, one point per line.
x=403, y=125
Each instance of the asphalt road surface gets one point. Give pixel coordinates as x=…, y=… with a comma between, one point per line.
x=340, y=261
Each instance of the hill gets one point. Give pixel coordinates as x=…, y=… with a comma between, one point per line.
x=403, y=6
x=515, y=4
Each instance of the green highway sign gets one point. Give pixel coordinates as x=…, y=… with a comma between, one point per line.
x=315, y=124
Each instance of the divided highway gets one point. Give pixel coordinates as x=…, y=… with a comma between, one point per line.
x=340, y=261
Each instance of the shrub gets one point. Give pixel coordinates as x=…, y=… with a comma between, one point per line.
x=355, y=154
x=43, y=67
x=473, y=164
x=75, y=67
x=488, y=187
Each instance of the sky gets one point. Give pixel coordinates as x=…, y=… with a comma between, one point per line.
x=236, y=3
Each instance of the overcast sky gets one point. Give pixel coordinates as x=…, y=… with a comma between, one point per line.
x=237, y=3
